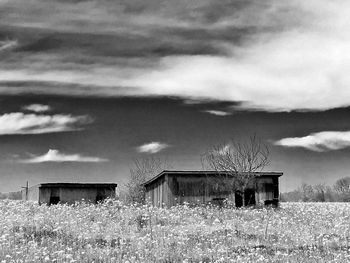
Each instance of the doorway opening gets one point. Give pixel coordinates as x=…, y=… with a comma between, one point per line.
x=54, y=200
x=249, y=197
x=238, y=199
x=54, y=196
x=100, y=198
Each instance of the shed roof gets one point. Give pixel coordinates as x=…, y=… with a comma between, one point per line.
x=78, y=185
x=184, y=173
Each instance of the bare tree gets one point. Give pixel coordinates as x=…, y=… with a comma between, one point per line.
x=320, y=192
x=342, y=187
x=141, y=171
x=307, y=192
x=238, y=162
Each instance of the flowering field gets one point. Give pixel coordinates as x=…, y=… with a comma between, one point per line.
x=112, y=232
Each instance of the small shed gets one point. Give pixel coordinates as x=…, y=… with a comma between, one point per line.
x=170, y=188
x=54, y=193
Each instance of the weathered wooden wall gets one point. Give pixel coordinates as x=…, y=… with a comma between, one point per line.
x=171, y=189
x=196, y=190
x=157, y=193
x=67, y=195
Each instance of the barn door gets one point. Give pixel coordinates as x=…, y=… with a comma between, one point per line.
x=54, y=196
x=249, y=197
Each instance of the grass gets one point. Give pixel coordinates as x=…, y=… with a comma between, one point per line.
x=113, y=232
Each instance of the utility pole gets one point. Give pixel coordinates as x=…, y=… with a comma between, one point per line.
x=26, y=187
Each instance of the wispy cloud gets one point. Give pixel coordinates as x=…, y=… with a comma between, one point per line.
x=37, y=108
x=152, y=147
x=218, y=112
x=21, y=123
x=319, y=142
x=117, y=15
x=8, y=44
x=55, y=156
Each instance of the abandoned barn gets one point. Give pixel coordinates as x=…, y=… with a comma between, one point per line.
x=54, y=193
x=170, y=188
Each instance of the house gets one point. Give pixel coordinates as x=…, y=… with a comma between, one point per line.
x=54, y=193
x=170, y=188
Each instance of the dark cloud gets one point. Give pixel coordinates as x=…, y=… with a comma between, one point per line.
x=267, y=54
x=42, y=44
x=158, y=44
x=85, y=35
x=118, y=14
x=64, y=89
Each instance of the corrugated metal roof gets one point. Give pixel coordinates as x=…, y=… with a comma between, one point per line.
x=183, y=173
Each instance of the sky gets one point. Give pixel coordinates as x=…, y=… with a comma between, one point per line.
x=86, y=87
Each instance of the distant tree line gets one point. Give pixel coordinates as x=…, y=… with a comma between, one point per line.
x=339, y=192
x=11, y=195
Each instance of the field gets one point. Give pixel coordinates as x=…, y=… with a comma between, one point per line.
x=113, y=232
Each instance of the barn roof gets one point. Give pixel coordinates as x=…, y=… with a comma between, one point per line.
x=78, y=185
x=184, y=173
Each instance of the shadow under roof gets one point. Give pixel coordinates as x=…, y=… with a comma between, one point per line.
x=77, y=185
x=184, y=173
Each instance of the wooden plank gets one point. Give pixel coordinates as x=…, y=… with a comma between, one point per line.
x=165, y=191
x=171, y=196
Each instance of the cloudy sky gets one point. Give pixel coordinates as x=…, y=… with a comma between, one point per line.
x=88, y=86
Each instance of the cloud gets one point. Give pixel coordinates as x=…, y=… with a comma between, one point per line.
x=319, y=142
x=37, y=108
x=118, y=16
x=218, y=112
x=56, y=156
x=7, y=45
x=222, y=149
x=302, y=67
x=271, y=55
x=152, y=147
x=21, y=123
